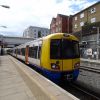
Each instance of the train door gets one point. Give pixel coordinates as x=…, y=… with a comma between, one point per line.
x=39, y=52
x=67, y=55
x=16, y=50
x=55, y=54
x=26, y=54
x=62, y=54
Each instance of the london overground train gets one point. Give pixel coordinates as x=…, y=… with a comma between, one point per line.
x=56, y=55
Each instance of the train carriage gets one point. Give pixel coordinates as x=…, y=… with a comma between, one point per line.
x=56, y=56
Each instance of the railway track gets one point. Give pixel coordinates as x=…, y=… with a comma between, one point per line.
x=96, y=70
x=80, y=92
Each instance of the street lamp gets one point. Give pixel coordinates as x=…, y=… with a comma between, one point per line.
x=1, y=42
x=4, y=26
x=5, y=6
x=97, y=42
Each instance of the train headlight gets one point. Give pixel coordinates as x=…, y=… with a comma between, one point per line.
x=54, y=66
x=77, y=65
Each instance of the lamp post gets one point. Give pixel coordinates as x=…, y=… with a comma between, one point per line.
x=3, y=26
x=5, y=6
x=1, y=42
x=97, y=42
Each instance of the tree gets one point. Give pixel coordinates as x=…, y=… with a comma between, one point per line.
x=87, y=29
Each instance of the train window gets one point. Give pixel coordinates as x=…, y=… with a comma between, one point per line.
x=39, y=52
x=23, y=51
x=70, y=49
x=18, y=51
x=33, y=51
x=76, y=49
x=64, y=49
x=55, y=49
x=67, y=49
x=15, y=51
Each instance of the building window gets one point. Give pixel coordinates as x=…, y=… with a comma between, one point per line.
x=56, y=29
x=59, y=29
x=56, y=23
x=60, y=22
x=93, y=10
x=81, y=23
x=81, y=15
x=75, y=26
x=34, y=30
x=76, y=18
x=93, y=20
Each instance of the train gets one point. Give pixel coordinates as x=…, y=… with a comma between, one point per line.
x=57, y=56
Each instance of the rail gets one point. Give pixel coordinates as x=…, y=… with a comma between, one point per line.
x=89, y=93
x=80, y=92
x=96, y=70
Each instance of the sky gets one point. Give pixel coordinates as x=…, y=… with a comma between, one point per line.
x=25, y=13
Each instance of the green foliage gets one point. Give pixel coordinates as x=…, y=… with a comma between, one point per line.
x=88, y=29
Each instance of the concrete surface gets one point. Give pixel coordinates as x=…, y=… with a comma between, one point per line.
x=19, y=82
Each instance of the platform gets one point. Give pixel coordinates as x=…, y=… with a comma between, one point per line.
x=19, y=82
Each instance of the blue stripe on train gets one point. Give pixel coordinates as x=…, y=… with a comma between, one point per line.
x=56, y=76
x=75, y=74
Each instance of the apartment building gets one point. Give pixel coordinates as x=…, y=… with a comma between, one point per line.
x=35, y=32
x=61, y=23
x=53, y=25
x=89, y=15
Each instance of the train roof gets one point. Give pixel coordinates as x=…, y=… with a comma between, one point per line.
x=62, y=35
x=47, y=37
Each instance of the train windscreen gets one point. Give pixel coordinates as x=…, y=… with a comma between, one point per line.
x=64, y=49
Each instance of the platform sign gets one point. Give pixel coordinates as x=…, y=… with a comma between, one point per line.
x=89, y=51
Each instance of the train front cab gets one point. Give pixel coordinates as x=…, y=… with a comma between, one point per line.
x=62, y=60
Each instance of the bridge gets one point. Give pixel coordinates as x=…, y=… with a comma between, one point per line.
x=10, y=42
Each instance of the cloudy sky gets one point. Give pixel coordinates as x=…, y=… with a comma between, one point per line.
x=23, y=13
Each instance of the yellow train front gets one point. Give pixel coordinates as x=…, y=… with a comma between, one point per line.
x=60, y=58
x=56, y=56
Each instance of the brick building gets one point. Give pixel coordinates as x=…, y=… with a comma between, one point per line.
x=61, y=23
x=86, y=17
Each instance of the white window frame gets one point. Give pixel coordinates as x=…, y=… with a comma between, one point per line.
x=82, y=15
x=59, y=21
x=75, y=17
x=56, y=29
x=59, y=28
x=81, y=23
x=93, y=20
x=75, y=26
x=56, y=23
x=93, y=10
